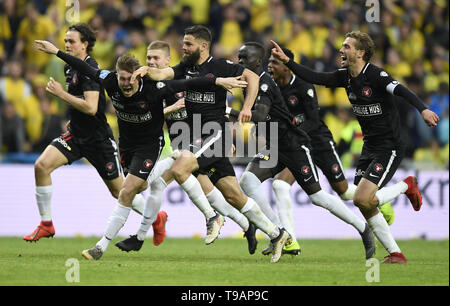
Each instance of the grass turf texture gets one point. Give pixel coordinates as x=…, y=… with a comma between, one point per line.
x=226, y=262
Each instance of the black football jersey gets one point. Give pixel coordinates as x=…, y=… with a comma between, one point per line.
x=301, y=99
x=290, y=138
x=373, y=104
x=210, y=102
x=86, y=128
x=177, y=116
x=140, y=117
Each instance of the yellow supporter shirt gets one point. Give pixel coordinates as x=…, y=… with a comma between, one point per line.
x=43, y=29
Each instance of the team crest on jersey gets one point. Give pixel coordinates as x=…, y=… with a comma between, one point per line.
x=209, y=75
x=367, y=91
x=335, y=168
x=110, y=166
x=141, y=104
x=179, y=95
x=378, y=168
x=306, y=170
x=74, y=79
x=148, y=163
x=293, y=100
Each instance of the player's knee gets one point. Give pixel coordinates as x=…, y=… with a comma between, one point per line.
x=361, y=201
x=41, y=167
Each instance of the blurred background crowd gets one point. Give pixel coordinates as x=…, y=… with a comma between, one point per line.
x=411, y=36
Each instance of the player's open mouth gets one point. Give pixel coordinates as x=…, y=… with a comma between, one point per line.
x=343, y=59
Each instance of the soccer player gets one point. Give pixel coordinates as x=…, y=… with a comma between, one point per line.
x=140, y=116
x=372, y=92
x=158, y=56
x=88, y=135
x=210, y=103
x=301, y=99
x=293, y=149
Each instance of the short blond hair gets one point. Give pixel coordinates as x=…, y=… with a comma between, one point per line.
x=363, y=42
x=159, y=45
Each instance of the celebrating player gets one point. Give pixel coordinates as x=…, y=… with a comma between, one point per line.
x=88, y=135
x=210, y=104
x=293, y=149
x=371, y=92
x=301, y=99
x=158, y=55
x=140, y=116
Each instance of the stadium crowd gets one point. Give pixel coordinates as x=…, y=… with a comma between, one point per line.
x=411, y=36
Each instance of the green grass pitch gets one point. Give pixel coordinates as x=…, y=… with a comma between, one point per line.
x=226, y=262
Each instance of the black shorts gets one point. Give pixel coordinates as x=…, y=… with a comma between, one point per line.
x=212, y=152
x=378, y=167
x=102, y=155
x=327, y=159
x=299, y=162
x=140, y=160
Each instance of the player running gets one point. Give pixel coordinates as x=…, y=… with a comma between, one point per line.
x=372, y=92
x=293, y=151
x=210, y=104
x=88, y=135
x=158, y=56
x=140, y=116
x=301, y=99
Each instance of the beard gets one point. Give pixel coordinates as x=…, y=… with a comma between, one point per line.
x=191, y=60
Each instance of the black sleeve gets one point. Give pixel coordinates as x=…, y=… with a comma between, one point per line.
x=409, y=96
x=311, y=104
x=174, y=86
x=329, y=79
x=81, y=66
x=260, y=112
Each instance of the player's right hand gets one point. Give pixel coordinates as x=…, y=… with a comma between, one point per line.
x=139, y=73
x=278, y=52
x=46, y=46
x=231, y=82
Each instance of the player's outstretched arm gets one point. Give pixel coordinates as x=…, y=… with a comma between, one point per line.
x=330, y=79
x=430, y=118
x=153, y=73
x=78, y=64
x=231, y=82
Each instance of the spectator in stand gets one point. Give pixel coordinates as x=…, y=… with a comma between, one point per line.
x=12, y=130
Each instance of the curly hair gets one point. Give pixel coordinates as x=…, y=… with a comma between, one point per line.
x=86, y=34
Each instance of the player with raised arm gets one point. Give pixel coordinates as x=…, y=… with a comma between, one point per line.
x=158, y=55
x=301, y=99
x=140, y=116
x=207, y=108
x=372, y=92
x=88, y=135
x=293, y=150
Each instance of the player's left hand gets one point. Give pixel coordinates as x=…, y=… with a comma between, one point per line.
x=245, y=116
x=231, y=82
x=54, y=87
x=430, y=118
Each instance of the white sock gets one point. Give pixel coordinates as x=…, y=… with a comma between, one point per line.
x=152, y=207
x=43, y=199
x=251, y=185
x=218, y=202
x=115, y=223
x=284, y=205
x=338, y=208
x=349, y=193
x=387, y=194
x=138, y=204
x=381, y=230
x=194, y=190
x=160, y=167
x=254, y=214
